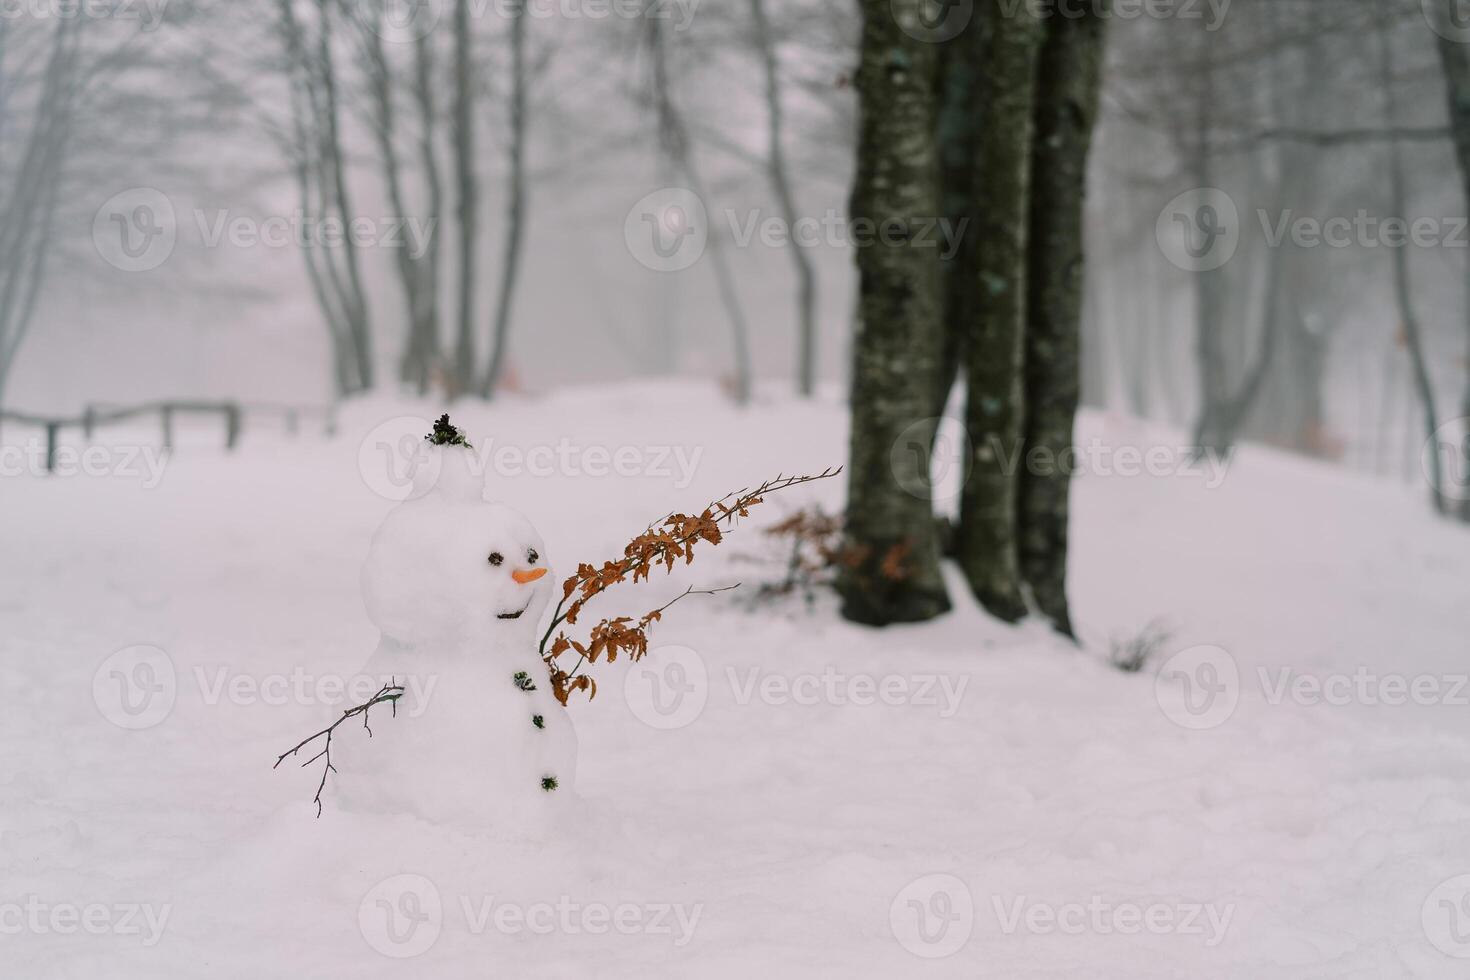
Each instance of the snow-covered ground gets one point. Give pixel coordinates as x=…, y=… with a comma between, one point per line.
x=773, y=791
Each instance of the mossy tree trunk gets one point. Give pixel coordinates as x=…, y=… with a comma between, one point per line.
x=893, y=575
x=958, y=120
x=1066, y=109
x=1008, y=45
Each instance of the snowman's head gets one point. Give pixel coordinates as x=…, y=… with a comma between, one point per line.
x=517, y=576
x=449, y=569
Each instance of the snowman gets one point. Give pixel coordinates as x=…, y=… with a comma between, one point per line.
x=457, y=587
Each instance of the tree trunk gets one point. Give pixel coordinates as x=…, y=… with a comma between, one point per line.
x=1066, y=109
x=893, y=570
x=428, y=353
x=1209, y=285
x=675, y=143
x=335, y=173
x=316, y=161
x=958, y=122
x=412, y=368
x=49, y=119
x=29, y=204
x=464, y=174
x=1413, y=336
x=4, y=86
x=1008, y=45
x=1455, y=59
x=516, y=215
x=1223, y=407
x=806, y=292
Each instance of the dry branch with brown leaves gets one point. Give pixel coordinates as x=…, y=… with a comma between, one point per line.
x=665, y=543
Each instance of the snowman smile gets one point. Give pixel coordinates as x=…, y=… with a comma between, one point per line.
x=514, y=615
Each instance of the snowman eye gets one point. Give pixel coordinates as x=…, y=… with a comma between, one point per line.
x=531, y=556
x=496, y=558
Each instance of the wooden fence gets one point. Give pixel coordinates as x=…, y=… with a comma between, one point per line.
x=231, y=414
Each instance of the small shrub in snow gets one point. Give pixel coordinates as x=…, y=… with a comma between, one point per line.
x=1133, y=654
x=812, y=550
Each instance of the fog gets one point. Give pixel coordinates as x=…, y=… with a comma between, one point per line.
x=1059, y=411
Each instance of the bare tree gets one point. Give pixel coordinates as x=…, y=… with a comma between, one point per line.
x=418, y=274
x=515, y=218
x=1455, y=61
x=466, y=188
x=676, y=145
x=427, y=357
x=28, y=196
x=1295, y=300
x=1403, y=294
x=1264, y=107
x=79, y=98
x=314, y=146
x=780, y=180
x=1223, y=405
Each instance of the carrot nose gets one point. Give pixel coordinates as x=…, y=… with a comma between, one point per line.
x=527, y=575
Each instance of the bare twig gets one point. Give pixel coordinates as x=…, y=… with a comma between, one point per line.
x=389, y=693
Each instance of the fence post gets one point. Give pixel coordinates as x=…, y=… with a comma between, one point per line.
x=89, y=422
x=166, y=414
x=292, y=424
x=52, y=431
x=232, y=425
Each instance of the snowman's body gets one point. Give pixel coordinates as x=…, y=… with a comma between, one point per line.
x=457, y=587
